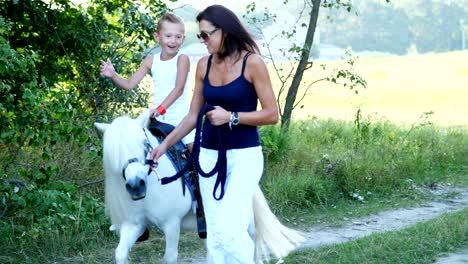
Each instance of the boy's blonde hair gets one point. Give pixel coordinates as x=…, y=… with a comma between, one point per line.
x=169, y=17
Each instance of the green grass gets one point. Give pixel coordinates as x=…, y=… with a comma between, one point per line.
x=321, y=162
x=94, y=244
x=421, y=243
x=310, y=176
x=42, y=243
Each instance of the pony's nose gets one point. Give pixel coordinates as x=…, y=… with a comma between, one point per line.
x=136, y=188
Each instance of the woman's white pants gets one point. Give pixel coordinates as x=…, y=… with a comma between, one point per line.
x=228, y=240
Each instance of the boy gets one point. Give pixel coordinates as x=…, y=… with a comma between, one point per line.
x=169, y=70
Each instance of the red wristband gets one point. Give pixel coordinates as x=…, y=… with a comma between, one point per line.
x=161, y=109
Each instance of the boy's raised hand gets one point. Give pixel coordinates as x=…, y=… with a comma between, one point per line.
x=107, y=69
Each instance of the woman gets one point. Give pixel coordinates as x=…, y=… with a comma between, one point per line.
x=232, y=79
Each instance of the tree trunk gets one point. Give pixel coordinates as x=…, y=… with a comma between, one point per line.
x=292, y=92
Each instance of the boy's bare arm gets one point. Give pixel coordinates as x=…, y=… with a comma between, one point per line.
x=107, y=70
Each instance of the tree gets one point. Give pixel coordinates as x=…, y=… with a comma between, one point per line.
x=435, y=25
x=407, y=25
x=301, y=59
x=304, y=64
x=50, y=88
x=69, y=40
x=376, y=27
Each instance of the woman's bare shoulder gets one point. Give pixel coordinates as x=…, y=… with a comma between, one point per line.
x=201, y=66
x=255, y=62
x=255, y=59
x=203, y=61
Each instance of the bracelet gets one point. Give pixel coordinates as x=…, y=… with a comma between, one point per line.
x=161, y=109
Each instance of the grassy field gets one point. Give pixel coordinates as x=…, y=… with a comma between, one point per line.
x=400, y=89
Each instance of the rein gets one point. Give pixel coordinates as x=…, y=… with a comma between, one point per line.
x=221, y=163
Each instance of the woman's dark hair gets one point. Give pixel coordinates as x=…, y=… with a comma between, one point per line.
x=236, y=37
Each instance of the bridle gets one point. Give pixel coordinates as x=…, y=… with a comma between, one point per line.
x=148, y=149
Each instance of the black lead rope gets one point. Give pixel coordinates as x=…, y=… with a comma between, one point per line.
x=221, y=163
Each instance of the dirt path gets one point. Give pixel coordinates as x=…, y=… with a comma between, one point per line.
x=318, y=236
x=390, y=221
x=384, y=221
x=454, y=258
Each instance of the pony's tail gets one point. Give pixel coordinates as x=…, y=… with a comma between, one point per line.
x=273, y=239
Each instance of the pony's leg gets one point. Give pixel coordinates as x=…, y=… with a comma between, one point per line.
x=172, y=234
x=129, y=233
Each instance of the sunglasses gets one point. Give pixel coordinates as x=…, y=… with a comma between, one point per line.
x=205, y=35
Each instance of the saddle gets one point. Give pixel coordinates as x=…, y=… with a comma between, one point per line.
x=180, y=156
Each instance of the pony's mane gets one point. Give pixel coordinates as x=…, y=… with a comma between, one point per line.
x=122, y=140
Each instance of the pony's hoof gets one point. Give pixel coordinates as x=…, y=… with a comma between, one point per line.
x=144, y=236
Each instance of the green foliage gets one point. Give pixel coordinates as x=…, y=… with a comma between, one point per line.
x=255, y=19
x=326, y=160
x=50, y=89
x=275, y=143
x=45, y=221
x=70, y=40
x=50, y=94
x=58, y=205
x=34, y=114
x=39, y=111
x=338, y=4
x=347, y=77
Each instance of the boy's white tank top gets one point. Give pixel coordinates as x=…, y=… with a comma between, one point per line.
x=164, y=74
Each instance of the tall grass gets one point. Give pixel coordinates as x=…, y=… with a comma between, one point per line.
x=321, y=161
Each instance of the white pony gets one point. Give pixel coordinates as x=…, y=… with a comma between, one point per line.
x=135, y=198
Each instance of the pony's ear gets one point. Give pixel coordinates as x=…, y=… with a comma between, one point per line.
x=101, y=126
x=142, y=119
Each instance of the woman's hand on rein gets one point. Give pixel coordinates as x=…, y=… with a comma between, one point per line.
x=218, y=116
x=155, y=154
